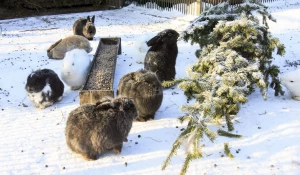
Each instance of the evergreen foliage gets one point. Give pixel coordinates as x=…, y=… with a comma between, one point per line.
x=227, y=150
x=228, y=134
x=235, y=56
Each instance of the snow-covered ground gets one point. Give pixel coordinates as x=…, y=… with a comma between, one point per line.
x=32, y=140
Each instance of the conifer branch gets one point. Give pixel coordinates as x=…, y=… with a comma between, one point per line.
x=228, y=134
x=210, y=134
x=227, y=150
x=186, y=163
x=176, y=145
x=168, y=84
x=235, y=56
x=229, y=122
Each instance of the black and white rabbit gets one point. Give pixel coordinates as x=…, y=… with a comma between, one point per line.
x=75, y=68
x=44, y=88
x=93, y=129
x=85, y=27
x=161, y=57
x=59, y=48
x=144, y=88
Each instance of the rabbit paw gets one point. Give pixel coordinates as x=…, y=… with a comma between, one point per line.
x=118, y=149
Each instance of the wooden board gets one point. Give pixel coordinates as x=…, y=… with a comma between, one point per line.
x=100, y=79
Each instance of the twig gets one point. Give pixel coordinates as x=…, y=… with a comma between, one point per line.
x=153, y=139
x=38, y=29
x=263, y=113
x=23, y=99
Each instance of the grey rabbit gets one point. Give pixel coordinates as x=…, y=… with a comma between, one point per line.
x=44, y=88
x=144, y=88
x=92, y=129
x=161, y=57
x=85, y=27
x=58, y=49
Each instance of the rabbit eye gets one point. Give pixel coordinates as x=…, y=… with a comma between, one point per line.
x=169, y=34
x=72, y=64
x=292, y=81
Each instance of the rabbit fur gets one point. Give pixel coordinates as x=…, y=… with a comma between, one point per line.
x=75, y=68
x=44, y=88
x=85, y=27
x=161, y=57
x=291, y=80
x=93, y=129
x=59, y=49
x=141, y=48
x=144, y=88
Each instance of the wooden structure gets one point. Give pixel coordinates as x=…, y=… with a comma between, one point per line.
x=189, y=7
x=100, y=79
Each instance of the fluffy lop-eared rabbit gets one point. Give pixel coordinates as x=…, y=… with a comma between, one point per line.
x=291, y=80
x=85, y=27
x=59, y=49
x=44, y=88
x=161, y=57
x=75, y=68
x=144, y=88
x=93, y=129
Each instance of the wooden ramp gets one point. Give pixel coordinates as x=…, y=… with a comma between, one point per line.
x=100, y=79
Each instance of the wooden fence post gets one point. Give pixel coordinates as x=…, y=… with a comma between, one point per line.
x=198, y=7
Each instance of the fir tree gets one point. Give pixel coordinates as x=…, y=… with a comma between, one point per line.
x=235, y=56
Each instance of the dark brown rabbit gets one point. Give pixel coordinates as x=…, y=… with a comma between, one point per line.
x=85, y=27
x=144, y=88
x=94, y=129
x=161, y=57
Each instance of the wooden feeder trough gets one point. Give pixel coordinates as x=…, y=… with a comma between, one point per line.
x=100, y=79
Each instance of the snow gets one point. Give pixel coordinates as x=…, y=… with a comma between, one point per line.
x=32, y=140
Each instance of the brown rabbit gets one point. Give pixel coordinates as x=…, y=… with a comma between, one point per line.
x=85, y=27
x=94, y=129
x=59, y=49
x=144, y=88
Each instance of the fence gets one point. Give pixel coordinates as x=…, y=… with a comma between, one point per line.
x=190, y=7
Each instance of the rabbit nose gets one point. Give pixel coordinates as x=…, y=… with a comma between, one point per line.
x=29, y=89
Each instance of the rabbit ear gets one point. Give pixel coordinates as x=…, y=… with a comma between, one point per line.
x=104, y=105
x=93, y=19
x=88, y=18
x=154, y=40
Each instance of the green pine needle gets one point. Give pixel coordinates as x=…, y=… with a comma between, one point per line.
x=228, y=134
x=227, y=150
x=229, y=122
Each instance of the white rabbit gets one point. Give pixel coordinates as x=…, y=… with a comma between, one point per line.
x=291, y=80
x=141, y=47
x=75, y=68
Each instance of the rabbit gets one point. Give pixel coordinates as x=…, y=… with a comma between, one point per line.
x=44, y=88
x=291, y=80
x=141, y=48
x=85, y=27
x=75, y=68
x=161, y=57
x=92, y=129
x=59, y=49
x=144, y=88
